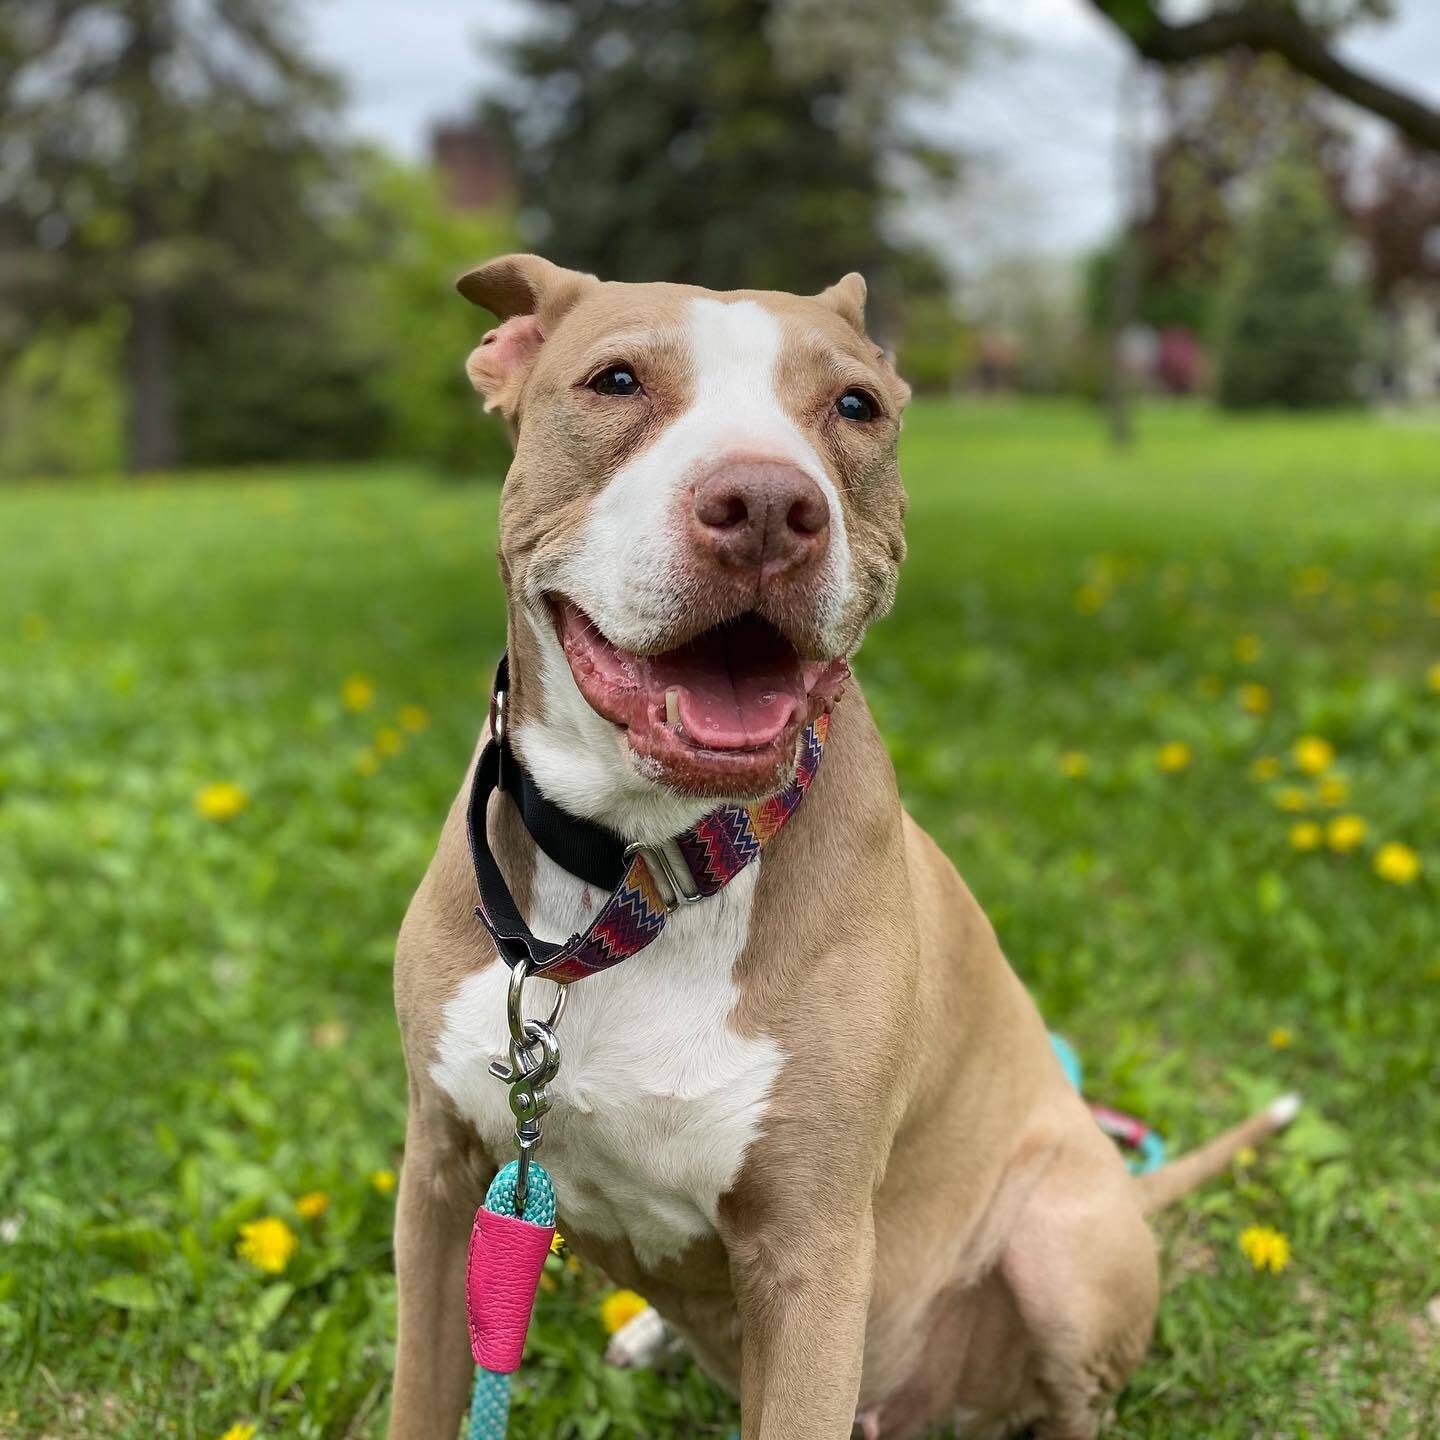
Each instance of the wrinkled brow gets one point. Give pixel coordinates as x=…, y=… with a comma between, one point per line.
x=635, y=340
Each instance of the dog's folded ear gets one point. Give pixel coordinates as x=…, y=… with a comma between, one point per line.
x=524, y=285
x=846, y=297
x=529, y=296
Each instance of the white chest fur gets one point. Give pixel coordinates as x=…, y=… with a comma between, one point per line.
x=657, y=1098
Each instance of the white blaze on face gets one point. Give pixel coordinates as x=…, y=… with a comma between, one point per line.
x=629, y=573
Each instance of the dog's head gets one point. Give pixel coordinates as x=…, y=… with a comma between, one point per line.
x=703, y=515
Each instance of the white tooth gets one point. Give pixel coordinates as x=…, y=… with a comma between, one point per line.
x=672, y=707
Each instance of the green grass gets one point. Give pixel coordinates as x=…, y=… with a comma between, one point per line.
x=197, y=1029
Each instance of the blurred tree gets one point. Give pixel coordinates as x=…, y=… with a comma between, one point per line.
x=1300, y=32
x=1292, y=328
x=1400, y=224
x=729, y=143
x=174, y=157
x=1223, y=123
x=416, y=245
x=1401, y=221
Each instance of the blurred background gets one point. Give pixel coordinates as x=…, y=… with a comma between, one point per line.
x=1162, y=678
x=227, y=230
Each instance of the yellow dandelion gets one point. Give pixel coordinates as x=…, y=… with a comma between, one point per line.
x=1091, y=598
x=1313, y=754
x=1254, y=699
x=1397, y=863
x=268, y=1244
x=1265, y=1248
x=557, y=1243
x=1305, y=835
x=1333, y=790
x=1074, y=764
x=221, y=800
x=328, y=1034
x=1312, y=580
x=357, y=693
x=33, y=627
x=1208, y=687
x=1173, y=757
x=1344, y=833
x=1281, y=1037
x=367, y=762
x=240, y=1430
x=312, y=1204
x=388, y=741
x=619, y=1308
x=1246, y=1156
x=1292, y=798
x=1248, y=649
x=383, y=1180
x=1432, y=677
x=413, y=718
x=1264, y=767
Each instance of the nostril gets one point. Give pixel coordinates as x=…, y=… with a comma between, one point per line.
x=733, y=511
x=808, y=514
x=721, y=509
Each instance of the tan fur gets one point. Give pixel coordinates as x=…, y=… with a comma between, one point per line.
x=930, y=1226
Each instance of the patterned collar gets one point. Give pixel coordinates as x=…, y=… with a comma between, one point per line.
x=654, y=880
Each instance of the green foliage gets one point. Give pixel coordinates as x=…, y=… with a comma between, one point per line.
x=289, y=367
x=195, y=1014
x=176, y=161
x=61, y=410
x=418, y=249
x=1292, y=329
x=726, y=143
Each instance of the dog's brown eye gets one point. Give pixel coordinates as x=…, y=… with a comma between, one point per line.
x=855, y=405
x=616, y=380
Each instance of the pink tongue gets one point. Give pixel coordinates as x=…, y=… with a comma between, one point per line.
x=738, y=686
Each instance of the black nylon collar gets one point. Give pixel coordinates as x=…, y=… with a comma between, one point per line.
x=593, y=852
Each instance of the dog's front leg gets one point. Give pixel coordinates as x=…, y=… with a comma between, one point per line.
x=803, y=1283
x=432, y=1229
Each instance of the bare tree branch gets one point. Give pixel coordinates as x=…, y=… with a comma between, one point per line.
x=1261, y=26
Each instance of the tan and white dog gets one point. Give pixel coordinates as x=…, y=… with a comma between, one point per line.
x=818, y=1123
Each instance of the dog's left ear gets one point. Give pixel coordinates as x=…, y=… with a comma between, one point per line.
x=846, y=297
x=529, y=296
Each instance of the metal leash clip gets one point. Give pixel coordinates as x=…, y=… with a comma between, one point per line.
x=534, y=1063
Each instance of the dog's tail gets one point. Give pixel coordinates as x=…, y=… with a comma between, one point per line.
x=1179, y=1177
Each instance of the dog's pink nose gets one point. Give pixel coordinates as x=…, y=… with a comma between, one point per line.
x=761, y=515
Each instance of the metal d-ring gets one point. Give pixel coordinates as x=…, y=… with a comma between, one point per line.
x=514, y=1004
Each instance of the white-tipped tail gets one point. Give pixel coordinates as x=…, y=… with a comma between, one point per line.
x=1180, y=1176
x=1286, y=1108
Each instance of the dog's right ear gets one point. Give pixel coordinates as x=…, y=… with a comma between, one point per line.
x=528, y=296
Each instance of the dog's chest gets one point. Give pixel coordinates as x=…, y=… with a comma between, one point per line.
x=657, y=1098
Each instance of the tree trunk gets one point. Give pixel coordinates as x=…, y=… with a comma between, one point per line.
x=1126, y=272
x=153, y=439
x=1124, y=295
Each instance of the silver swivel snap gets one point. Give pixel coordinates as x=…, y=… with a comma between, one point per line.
x=534, y=1062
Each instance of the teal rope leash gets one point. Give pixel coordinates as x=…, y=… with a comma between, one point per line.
x=490, y=1403
x=1147, y=1145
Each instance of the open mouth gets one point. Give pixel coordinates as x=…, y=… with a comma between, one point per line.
x=718, y=715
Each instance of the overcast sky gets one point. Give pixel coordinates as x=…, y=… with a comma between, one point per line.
x=1040, y=112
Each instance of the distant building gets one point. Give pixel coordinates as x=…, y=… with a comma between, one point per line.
x=473, y=173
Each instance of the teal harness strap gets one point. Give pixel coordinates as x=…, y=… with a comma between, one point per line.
x=490, y=1402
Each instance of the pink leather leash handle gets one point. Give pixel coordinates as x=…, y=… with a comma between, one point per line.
x=507, y=1255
